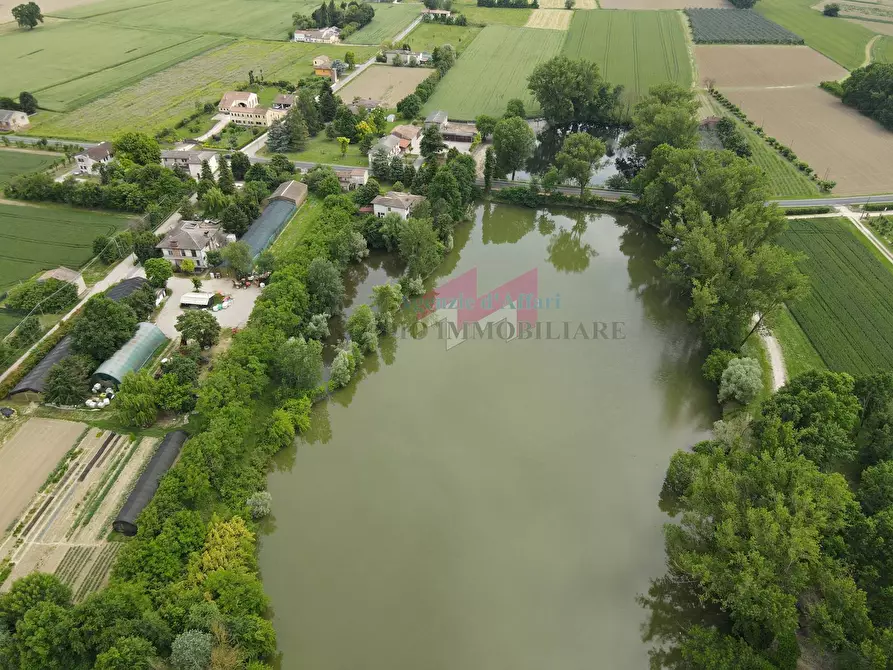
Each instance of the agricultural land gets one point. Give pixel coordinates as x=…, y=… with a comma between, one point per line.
x=662, y=4
x=14, y=163
x=550, y=19
x=493, y=16
x=385, y=83
x=40, y=238
x=764, y=66
x=493, y=70
x=736, y=26
x=389, y=20
x=635, y=49
x=426, y=36
x=847, y=316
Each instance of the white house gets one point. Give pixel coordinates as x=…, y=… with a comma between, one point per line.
x=100, y=154
x=253, y=116
x=395, y=202
x=237, y=99
x=324, y=35
x=191, y=240
x=353, y=178
x=389, y=144
x=13, y=119
x=190, y=161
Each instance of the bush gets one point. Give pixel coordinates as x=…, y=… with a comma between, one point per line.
x=52, y=295
x=742, y=380
x=833, y=87
x=192, y=650
x=260, y=504
x=716, y=364
x=831, y=9
x=815, y=209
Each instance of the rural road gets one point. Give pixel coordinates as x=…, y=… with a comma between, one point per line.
x=222, y=122
x=865, y=230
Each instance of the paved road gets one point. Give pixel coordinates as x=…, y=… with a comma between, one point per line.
x=222, y=122
x=832, y=201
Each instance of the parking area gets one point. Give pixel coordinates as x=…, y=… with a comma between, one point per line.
x=235, y=316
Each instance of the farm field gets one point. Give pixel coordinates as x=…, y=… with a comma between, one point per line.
x=386, y=83
x=663, y=4
x=494, y=16
x=559, y=4
x=799, y=354
x=41, y=238
x=13, y=163
x=847, y=315
x=836, y=140
x=390, y=19
x=875, y=26
x=493, y=70
x=268, y=19
x=48, y=7
x=635, y=49
x=28, y=458
x=736, y=26
x=883, y=50
x=43, y=60
x=764, y=66
x=549, y=19
x=426, y=36
x=786, y=180
x=162, y=99
x=841, y=41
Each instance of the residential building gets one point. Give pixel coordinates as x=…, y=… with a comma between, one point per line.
x=13, y=120
x=88, y=158
x=189, y=161
x=322, y=35
x=436, y=12
x=281, y=104
x=410, y=138
x=292, y=191
x=191, y=240
x=420, y=57
x=236, y=99
x=363, y=103
x=438, y=118
x=451, y=132
x=352, y=179
x=395, y=202
x=389, y=144
x=322, y=67
x=64, y=274
x=253, y=116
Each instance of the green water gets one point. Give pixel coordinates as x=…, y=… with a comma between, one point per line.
x=494, y=506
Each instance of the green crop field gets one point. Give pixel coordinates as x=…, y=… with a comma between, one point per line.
x=426, y=36
x=882, y=52
x=634, y=48
x=162, y=99
x=62, y=62
x=841, y=41
x=41, y=238
x=390, y=19
x=493, y=16
x=14, y=163
x=264, y=19
x=786, y=180
x=493, y=70
x=848, y=316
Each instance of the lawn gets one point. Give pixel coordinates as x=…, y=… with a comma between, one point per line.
x=290, y=237
x=60, y=63
x=634, y=49
x=493, y=70
x=159, y=101
x=390, y=19
x=847, y=317
x=13, y=163
x=841, y=41
x=42, y=238
x=321, y=149
x=426, y=36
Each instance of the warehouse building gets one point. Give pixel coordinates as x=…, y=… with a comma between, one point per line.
x=278, y=210
x=132, y=356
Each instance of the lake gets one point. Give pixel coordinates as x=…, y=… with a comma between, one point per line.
x=494, y=505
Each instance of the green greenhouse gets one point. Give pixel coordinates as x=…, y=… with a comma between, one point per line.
x=132, y=356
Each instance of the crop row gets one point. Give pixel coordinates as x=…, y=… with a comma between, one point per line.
x=737, y=26
x=74, y=561
x=847, y=313
x=97, y=573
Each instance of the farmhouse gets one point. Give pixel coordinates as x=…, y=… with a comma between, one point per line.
x=192, y=240
x=323, y=35
x=189, y=161
x=363, y=103
x=407, y=57
x=131, y=357
x=66, y=275
x=322, y=67
x=410, y=135
x=395, y=202
x=281, y=104
x=436, y=12
x=254, y=116
x=13, y=120
x=389, y=144
x=352, y=179
x=235, y=99
x=98, y=155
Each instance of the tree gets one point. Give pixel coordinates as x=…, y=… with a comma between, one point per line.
x=68, y=381
x=489, y=168
x=226, y=181
x=667, y=115
x=419, y=247
x=266, y=261
x=136, y=401
x=27, y=592
x=324, y=286
x=42, y=637
x=239, y=257
x=579, y=156
x=432, y=142
x=234, y=220
x=260, y=504
x=485, y=125
x=366, y=193
x=239, y=164
x=278, y=137
x=443, y=57
x=351, y=59
x=191, y=650
x=297, y=129
x=187, y=266
x=298, y=365
x=513, y=143
x=309, y=107
x=27, y=102
x=344, y=366
x=103, y=327
x=199, y=326
x=158, y=271
x=742, y=380
x=328, y=104
x=343, y=143
x=876, y=488
x=410, y=106
x=831, y=9
x=144, y=246
x=27, y=332
x=387, y=300
x=27, y=15
x=362, y=329
x=515, y=107
x=345, y=123
x=573, y=92
x=128, y=653
x=138, y=147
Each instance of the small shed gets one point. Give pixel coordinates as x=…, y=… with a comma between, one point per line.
x=132, y=356
x=165, y=456
x=196, y=300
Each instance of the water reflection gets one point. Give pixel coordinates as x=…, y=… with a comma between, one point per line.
x=567, y=250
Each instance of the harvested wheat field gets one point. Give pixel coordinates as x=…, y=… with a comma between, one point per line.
x=559, y=4
x=875, y=26
x=764, y=66
x=386, y=83
x=835, y=140
x=549, y=19
x=28, y=458
x=664, y=4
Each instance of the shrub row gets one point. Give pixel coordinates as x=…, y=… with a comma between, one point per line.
x=782, y=149
x=814, y=209
x=35, y=357
x=835, y=88
x=533, y=197
x=877, y=206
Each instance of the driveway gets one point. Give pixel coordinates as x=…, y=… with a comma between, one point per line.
x=235, y=316
x=222, y=121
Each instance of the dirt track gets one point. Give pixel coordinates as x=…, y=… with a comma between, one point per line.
x=758, y=66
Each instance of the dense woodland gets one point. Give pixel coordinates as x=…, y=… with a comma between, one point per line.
x=870, y=90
